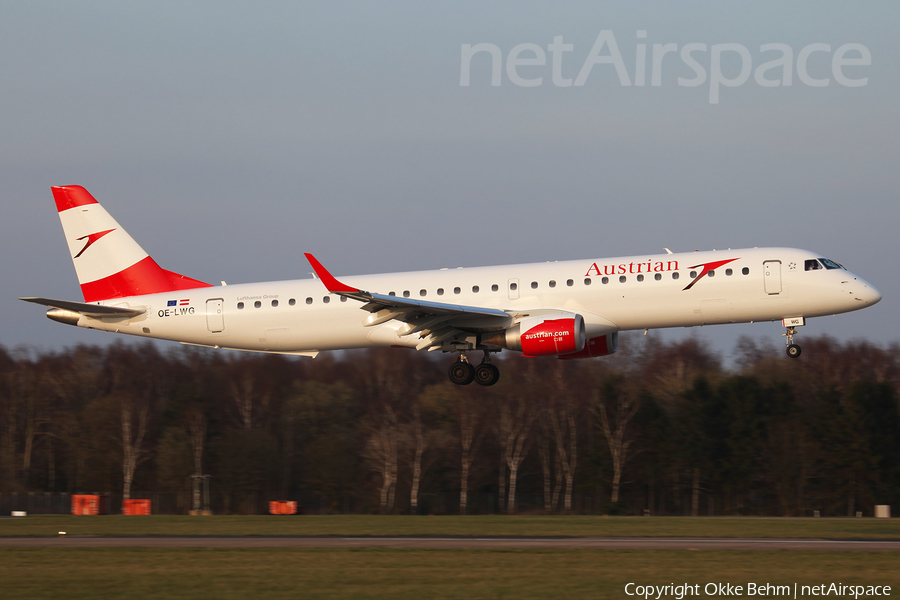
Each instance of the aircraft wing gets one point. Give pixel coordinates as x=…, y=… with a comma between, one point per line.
x=91, y=310
x=435, y=322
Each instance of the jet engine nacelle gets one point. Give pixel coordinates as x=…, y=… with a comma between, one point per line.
x=598, y=346
x=543, y=335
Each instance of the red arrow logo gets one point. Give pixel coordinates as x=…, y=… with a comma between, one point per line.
x=91, y=239
x=707, y=267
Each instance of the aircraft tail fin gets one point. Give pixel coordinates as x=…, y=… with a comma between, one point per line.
x=108, y=262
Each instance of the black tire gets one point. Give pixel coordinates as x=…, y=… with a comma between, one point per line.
x=486, y=374
x=462, y=373
x=793, y=350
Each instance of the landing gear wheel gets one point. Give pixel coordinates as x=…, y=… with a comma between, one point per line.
x=486, y=374
x=793, y=350
x=462, y=373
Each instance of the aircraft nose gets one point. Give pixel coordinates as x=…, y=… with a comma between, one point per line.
x=874, y=296
x=866, y=293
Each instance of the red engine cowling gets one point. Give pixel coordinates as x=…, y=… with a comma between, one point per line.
x=543, y=335
x=598, y=346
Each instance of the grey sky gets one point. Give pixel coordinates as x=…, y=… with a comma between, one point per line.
x=230, y=137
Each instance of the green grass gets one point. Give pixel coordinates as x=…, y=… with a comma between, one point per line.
x=472, y=526
x=399, y=574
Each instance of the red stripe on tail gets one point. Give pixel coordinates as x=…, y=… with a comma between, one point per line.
x=70, y=196
x=143, y=277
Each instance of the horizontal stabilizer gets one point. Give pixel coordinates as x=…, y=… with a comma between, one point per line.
x=90, y=310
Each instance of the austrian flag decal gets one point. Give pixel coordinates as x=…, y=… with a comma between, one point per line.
x=178, y=302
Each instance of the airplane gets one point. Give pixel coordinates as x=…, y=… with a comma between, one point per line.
x=567, y=309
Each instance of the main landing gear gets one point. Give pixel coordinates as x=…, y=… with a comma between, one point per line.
x=463, y=373
x=793, y=350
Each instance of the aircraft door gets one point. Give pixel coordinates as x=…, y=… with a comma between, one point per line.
x=772, y=270
x=513, y=289
x=215, y=318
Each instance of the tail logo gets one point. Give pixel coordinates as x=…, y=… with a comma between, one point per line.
x=91, y=239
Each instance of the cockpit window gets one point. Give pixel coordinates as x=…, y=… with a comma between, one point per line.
x=812, y=265
x=830, y=264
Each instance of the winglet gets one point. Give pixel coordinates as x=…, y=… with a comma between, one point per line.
x=327, y=278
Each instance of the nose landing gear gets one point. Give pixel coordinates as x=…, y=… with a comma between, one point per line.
x=793, y=350
x=463, y=373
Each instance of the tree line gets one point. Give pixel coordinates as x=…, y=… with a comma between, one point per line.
x=659, y=427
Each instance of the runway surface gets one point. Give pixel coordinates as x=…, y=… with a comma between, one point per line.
x=486, y=543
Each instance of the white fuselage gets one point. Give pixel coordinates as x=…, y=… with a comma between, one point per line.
x=639, y=292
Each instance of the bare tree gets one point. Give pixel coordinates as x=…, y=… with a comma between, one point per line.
x=565, y=433
x=32, y=395
x=471, y=434
x=134, y=425
x=419, y=444
x=561, y=415
x=381, y=453
x=543, y=447
x=196, y=425
x=8, y=436
x=74, y=378
x=616, y=408
x=516, y=419
x=248, y=396
x=196, y=421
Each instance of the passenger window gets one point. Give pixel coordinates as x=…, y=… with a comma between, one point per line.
x=309, y=300
x=495, y=287
x=693, y=274
x=406, y=293
x=456, y=290
x=605, y=280
x=392, y=293
x=812, y=265
x=728, y=272
x=326, y=299
x=422, y=292
x=552, y=283
x=440, y=291
x=745, y=270
x=569, y=282
x=343, y=298
x=712, y=273
x=534, y=285
x=587, y=281
x=514, y=286
x=675, y=275
x=623, y=279
x=274, y=303
x=475, y=289
x=240, y=305
x=658, y=277
x=257, y=304
x=640, y=277
x=292, y=301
